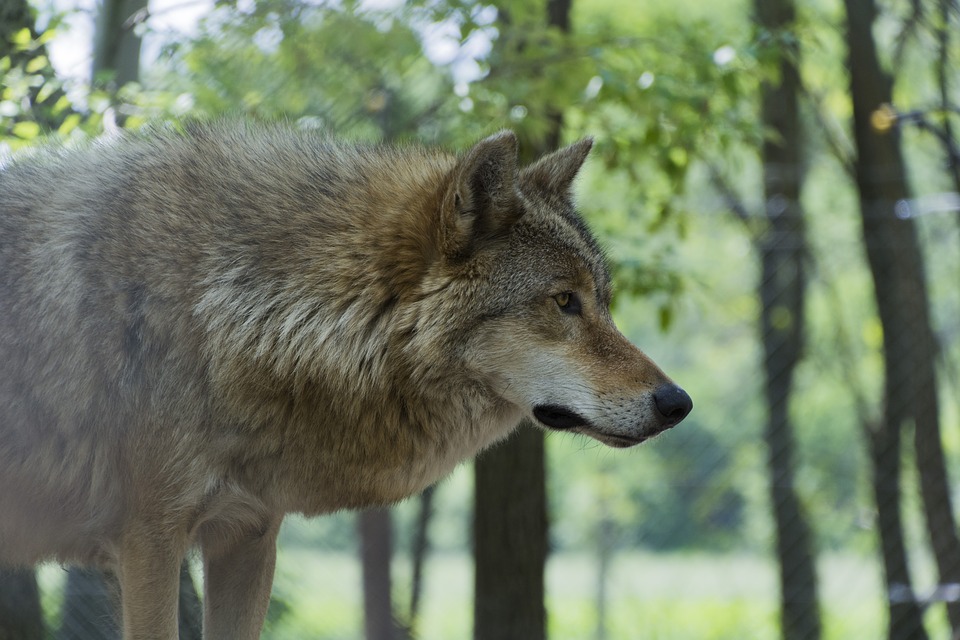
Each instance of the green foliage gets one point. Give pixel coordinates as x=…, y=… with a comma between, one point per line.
x=361, y=73
x=33, y=100
x=27, y=87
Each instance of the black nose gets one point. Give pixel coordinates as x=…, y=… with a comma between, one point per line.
x=673, y=403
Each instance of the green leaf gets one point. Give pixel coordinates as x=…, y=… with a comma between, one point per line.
x=62, y=104
x=46, y=91
x=678, y=156
x=36, y=64
x=21, y=39
x=69, y=123
x=666, y=317
x=48, y=34
x=26, y=130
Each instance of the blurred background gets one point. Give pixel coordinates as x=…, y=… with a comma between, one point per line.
x=777, y=185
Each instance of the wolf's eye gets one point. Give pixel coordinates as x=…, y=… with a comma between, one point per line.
x=568, y=302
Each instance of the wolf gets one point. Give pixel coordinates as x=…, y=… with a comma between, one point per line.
x=206, y=327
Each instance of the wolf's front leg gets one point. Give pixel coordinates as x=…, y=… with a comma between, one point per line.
x=238, y=574
x=148, y=570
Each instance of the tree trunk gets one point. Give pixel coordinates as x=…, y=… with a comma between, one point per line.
x=905, y=618
x=116, y=46
x=909, y=345
x=782, y=287
x=944, y=73
x=20, y=615
x=510, y=539
x=376, y=550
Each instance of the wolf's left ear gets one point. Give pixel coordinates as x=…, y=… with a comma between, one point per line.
x=554, y=172
x=483, y=199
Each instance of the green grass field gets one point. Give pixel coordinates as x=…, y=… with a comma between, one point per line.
x=655, y=596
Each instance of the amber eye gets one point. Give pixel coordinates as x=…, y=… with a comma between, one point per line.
x=568, y=302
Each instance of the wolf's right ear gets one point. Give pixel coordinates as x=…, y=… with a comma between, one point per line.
x=554, y=172
x=482, y=200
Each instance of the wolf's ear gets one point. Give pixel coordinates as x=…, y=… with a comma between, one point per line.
x=482, y=200
x=554, y=172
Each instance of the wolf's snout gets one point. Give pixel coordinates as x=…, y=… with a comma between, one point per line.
x=672, y=403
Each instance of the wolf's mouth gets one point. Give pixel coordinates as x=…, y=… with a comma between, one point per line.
x=557, y=417
x=561, y=418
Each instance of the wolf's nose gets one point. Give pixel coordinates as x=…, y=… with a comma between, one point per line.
x=673, y=403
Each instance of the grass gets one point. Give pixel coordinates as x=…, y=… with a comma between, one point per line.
x=650, y=596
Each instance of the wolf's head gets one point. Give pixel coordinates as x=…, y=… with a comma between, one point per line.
x=538, y=293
